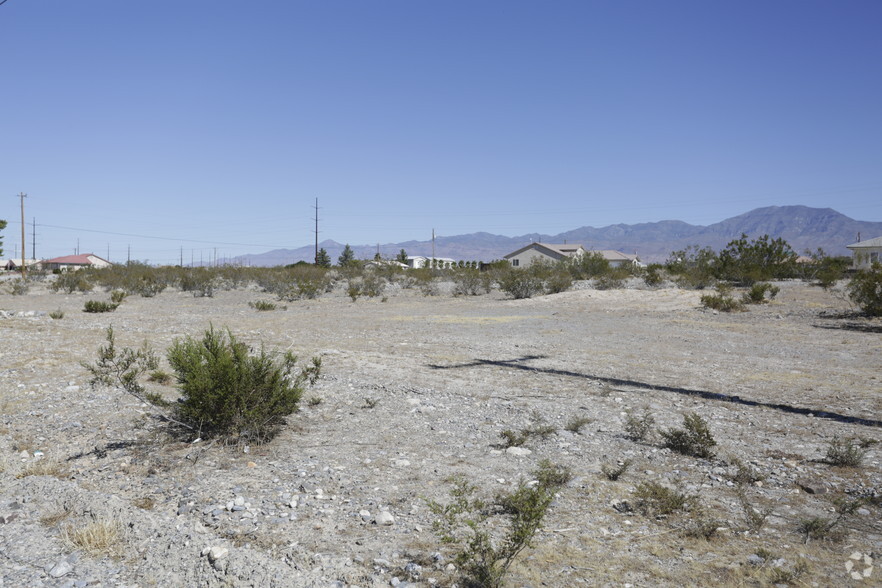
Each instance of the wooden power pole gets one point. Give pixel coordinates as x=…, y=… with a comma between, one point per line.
x=22, y=196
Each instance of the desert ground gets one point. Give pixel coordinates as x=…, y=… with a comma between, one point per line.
x=414, y=392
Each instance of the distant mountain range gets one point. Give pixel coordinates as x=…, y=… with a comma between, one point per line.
x=801, y=226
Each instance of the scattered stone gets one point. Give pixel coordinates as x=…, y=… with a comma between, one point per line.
x=384, y=518
x=61, y=568
x=518, y=451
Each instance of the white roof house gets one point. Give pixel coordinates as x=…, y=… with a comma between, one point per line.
x=540, y=252
x=866, y=253
x=75, y=262
x=418, y=261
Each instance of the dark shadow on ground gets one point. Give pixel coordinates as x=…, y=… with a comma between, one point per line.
x=520, y=364
x=860, y=327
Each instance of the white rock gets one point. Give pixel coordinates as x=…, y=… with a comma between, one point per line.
x=217, y=552
x=518, y=451
x=385, y=518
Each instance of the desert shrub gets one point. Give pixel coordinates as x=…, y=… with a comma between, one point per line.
x=844, y=453
x=637, y=428
x=865, y=290
x=56, y=314
x=693, y=439
x=19, y=287
x=559, y=279
x=262, y=305
x=614, y=280
x=615, y=472
x=589, y=265
x=353, y=289
x=552, y=475
x=201, y=281
x=754, y=518
x=756, y=294
x=372, y=285
x=99, y=306
x=654, y=500
x=466, y=282
x=692, y=267
x=117, y=296
x=424, y=278
x=71, y=281
x=489, y=535
x=230, y=393
x=747, y=262
x=521, y=283
x=98, y=538
x=745, y=474
x=575, y=424
x=652, y=275
x=160, y=377
x=123, y=368
x=722, y=300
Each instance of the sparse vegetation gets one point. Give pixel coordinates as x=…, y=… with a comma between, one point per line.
x=99, y=538
x=575, y=424
x=43, y=467
x=57, y=314
x=638, y=428
x=693, y=439
x=99, y=306
x=262, y=305
x=654, y=500
x=614, y=472
x=489, y=535
x=844, y=452
x=865, y=290
x=757, y=293
x=722, y=300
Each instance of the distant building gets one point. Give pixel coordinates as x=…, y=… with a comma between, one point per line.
x=69, y=262
x=543, y=252
x=866, y=253
x=418, y=261
x=15, y=264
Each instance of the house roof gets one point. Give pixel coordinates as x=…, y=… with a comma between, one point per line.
x=81, y=259
x=877, y=242
x=613, y=255
x=563, y=250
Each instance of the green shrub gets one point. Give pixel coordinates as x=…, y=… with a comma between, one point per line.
x=693, y=439
x=201, y=281
x=722, y=300
x=652, y=275
x=654, y=500
x=489, y=535
x=575, y=424
x=262, y=305
x=19, y=287
x=229, y=393
x=117, y=296
x=71, y=281
x=589, y=265
x=746, y=262
x=758, y=291
x=638, y=428
x=99, y=306
x=844, y=453
x=693, y=267
x=56, y=314
x=865, y=290
x=466, y=282
x=558, y=280
x=521, y=283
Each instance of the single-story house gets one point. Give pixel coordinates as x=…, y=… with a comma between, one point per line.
x=619, y=259
x=535, y=252
x=377, y=263
x=418, y=261
x=15, y=264
x=866, y=253
x=70, y=262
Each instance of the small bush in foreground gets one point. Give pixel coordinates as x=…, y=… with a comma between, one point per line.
x=693, y=439
x=638, y=428
x=262, y=305
x=575, y=424
x=489, y=535
x=722, y=300
x=227, y=392
x=56, y=314
x=613, y=473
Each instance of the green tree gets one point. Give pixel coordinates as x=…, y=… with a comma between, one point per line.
x=401, y=257
x=693, y=266
x=347, y=257
x=747, y=262
x=3, y=226
x=323, y=259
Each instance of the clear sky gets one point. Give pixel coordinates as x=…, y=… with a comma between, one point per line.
x=215, y=124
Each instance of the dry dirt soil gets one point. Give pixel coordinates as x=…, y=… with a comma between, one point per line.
x=415, y=391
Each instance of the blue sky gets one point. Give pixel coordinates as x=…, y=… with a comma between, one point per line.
x=215, y=124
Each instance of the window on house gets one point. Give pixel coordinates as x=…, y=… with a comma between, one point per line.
x=514, y=263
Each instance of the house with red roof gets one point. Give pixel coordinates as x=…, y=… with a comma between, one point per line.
x=71, y=262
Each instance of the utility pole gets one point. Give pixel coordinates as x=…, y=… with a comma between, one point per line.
x=182, y=256
x=22, y=196
x=316, y=231
x=129, y=255
x=34, y=239
x=433, y=246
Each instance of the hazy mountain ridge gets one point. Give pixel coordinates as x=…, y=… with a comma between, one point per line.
x=801, y=226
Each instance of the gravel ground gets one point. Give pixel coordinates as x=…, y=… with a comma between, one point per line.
x=416, y=390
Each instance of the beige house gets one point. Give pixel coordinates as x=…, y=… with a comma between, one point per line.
x=70, y=262
x=541, y=252
x=866, y=253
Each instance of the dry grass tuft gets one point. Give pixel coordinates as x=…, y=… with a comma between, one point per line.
x=44, y=467
x=97, y=538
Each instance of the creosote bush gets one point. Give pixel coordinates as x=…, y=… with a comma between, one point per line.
x=489, y=535
x=756, y=294
x=693, y=439
x=227, y=392
x=844, y=453
x=230, y=393
x=637, y=428
x=722, y=300
x=865, y=290
x=654, y=500
x=99, y=306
